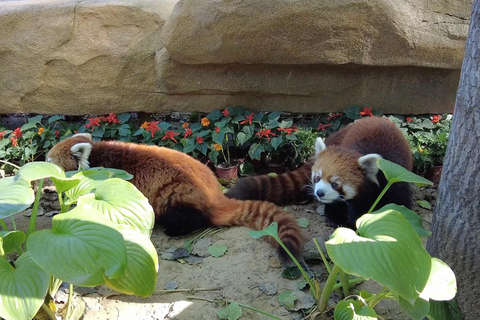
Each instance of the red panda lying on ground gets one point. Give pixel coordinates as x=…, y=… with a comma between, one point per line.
x=183, y=192
x=343, y=175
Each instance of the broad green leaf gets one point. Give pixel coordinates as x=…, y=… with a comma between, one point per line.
x=417, y=311
x=231, y=312
x=424, y=204
x=386, y=250
x=412, y=217
x=22, y=288
x=89, y=180
x=444, y=310
x=241, y=138
x=442, y=284
x=353, y=310
x=217, y=250
x=115, y=173
x=303, y=222
x=396, y=173
x=64, y=184
x=40, y=170
x=287, y=298
x=142, y=265
x=12, y=240
x=276, y=142
x=255, y=151
x=55, y=118
x=15, y=195
x=122, y=203
x=81, y=248
x=271, y=230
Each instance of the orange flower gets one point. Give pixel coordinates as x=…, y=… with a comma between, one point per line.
x=144, y=125
x=14, y=140
x=112, y=118
x=17, y=132
x=266, y=133
x=437, y=118
x=205, y=122
x=287, y=130
x=40, y=131
x=217, y=146
x=366, y=112
x=185, y=125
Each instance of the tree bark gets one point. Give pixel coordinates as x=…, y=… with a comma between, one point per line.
x=456, y=221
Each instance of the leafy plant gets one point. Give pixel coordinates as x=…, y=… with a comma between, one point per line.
x=103, y=240
x=387, y=249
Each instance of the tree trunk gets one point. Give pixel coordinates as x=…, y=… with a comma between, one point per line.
x=456, y=222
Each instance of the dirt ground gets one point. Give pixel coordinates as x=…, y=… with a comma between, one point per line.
x=196, y=289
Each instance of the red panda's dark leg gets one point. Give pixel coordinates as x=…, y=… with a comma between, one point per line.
x=178, y=221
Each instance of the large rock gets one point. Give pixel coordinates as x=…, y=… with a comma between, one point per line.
x=78, y=57
x=369, y=32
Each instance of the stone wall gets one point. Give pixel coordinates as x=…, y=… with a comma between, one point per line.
x=95, y=57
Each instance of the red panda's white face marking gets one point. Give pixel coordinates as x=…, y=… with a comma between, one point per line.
x=338, y=173
x=72, y=153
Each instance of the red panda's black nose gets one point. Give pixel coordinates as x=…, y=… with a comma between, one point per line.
x=320, y=193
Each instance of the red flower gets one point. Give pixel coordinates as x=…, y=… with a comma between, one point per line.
x=169, y=134
x=57, y=134
x=366, y=112
x=335, y=115
x=188, y=132
x=2, y=133
x=217, y=128
x=248, y=119
x=199, y=140
x=225, y=112
x=409, y=119
x=322, y=126
x=18, y=133
x=93, y=122
x=266, y=133
x=437, y=118
x=14, y=140
x=287, y=130
x=152, y=127
x=112, y=118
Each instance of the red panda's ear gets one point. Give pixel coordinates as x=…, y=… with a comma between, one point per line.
x=368, y=162
x=81, y=152
x=85, y=135
x=319, y=146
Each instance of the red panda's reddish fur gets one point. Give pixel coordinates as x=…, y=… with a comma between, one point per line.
x=177, y=184
x=370, y=135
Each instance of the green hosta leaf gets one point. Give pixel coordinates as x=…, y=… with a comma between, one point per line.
x=441, y=285
x=81, y=248
x=424, y=204
x=89, y=180
x=417, y=311
x=287, y=298
x=444, y=310
x=142, y=265
x=15, y=195
x=303, y=222
x=396, y=173
x=413, y=218
x=386, y=250
x=231, y=312
x=22, y=288
x=122, y=203
x=217, y=250
x=40, y=170
x=353, y=310
x=12, y=240
x=271, y=230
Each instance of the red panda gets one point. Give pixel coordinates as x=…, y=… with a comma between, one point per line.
x=343, y=174
x=183, y=192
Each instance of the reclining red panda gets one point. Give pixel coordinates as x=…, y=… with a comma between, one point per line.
x=183, y=192
x=343, y=174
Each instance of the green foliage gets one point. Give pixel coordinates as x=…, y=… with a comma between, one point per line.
x=103, y=240
x=387, y=249
x=231, y=312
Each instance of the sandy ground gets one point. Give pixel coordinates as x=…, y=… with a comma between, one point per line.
x=200, y=288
